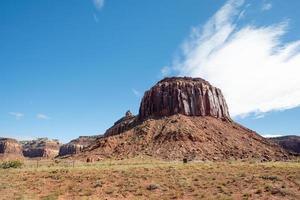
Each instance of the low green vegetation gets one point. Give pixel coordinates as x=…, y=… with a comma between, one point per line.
x=11, y=164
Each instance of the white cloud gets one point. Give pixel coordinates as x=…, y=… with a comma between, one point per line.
x=266, y=6
x=17, y=115
x=42, y=117
x=135, y=92
x=98, y=4
x=256, y=71
x=271, y=135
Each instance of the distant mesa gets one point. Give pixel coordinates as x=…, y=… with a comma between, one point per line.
x=290, y=143
x=77, y=145
x=41, y=147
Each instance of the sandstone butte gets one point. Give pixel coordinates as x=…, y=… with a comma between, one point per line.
x=182, y=117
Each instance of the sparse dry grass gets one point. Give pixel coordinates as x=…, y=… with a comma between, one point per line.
x=152, y=179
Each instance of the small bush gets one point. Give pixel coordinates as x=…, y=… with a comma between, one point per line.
x=11, y=164
x=272, y=178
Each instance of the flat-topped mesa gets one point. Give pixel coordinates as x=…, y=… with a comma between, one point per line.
x=183, y=95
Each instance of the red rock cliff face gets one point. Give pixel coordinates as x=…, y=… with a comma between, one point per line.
x=42, y=147
x=10, y=146
x=183, y=95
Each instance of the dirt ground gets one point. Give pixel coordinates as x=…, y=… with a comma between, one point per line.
x=151, y=179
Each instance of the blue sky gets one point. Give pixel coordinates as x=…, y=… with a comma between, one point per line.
x=73, y=67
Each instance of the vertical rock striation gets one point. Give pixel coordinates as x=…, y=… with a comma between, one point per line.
x=183, y=95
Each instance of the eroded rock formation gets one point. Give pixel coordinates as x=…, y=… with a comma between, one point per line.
x=41, y=147
x=122, y=124
x=187, y=96
x=183, y=118
x=10, y=146
x=69, y=149
x=77, y=145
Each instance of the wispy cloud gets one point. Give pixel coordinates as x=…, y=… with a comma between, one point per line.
x=255, y=69
x=98, y=4
x=42, y=116
x=271, y=135
x=17, y=115
x=266, y=6
x=165, y=71
x=96, y=19
x=135, y=92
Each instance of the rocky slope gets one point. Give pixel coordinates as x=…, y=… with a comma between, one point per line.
x=183, y=118
x=41, y=147
x=10, y=147
x=77, y=145
x=290, y=143
x=179, y=136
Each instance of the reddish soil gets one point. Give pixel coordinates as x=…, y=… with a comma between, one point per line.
x=179, y=136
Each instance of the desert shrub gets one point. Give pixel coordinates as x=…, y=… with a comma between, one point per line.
x=272, y=178
x=11, y=164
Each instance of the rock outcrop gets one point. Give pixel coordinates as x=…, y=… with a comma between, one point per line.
x=41, y=147
x=290, y=142
x=183, y=118
x=10, y=146
x=77, y=145
x=122, y=124
x=187, y=96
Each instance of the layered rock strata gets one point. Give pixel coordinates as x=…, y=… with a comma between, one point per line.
x=77, y=145
x=187, y=96
x=41, y=147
